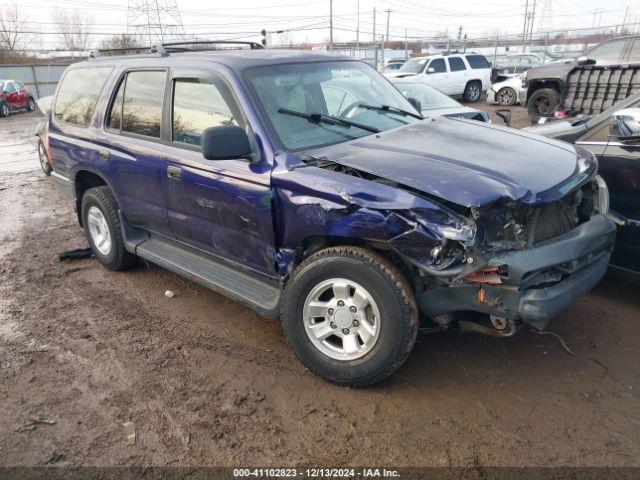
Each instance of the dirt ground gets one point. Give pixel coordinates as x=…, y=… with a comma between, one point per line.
x=207, y=382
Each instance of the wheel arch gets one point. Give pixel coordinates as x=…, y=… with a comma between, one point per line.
x=84, y=180
x=556, y=84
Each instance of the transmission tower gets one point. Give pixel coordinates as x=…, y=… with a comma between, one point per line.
x=545, y=23
x=154, y=21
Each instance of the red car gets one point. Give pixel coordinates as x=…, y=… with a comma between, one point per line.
x=14, y=96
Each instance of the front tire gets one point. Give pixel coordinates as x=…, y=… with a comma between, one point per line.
x=543, y=102
x=350, y=316
x=103, y=230
x=4, y=110
x=506, y=96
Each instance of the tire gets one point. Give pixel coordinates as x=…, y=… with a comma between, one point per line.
x=472, y=92
x=364, y=273
x=31, y=105
x=44, y=159
x=4, y=110
x=104, y=223
x=543, y=102
x=506, y=96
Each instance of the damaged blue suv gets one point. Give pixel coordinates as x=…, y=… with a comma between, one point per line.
x=305, y=186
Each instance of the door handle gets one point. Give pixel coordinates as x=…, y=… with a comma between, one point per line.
x=103, y=154
x=174, y=173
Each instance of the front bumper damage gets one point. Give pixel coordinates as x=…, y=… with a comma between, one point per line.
x=541, y=281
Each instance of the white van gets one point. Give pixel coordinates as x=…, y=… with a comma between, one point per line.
x=454, y=74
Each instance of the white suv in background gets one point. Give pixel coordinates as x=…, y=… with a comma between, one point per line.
x=455, y=74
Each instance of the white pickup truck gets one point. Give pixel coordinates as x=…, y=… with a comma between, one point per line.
x=455, y=74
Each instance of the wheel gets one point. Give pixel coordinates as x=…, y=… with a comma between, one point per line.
x=44, y=159
x=472, y=92
x=506, y=96
x=543, y=102
x=102, y=228
x=350, y=316
x=4, y=110
x=31, y=105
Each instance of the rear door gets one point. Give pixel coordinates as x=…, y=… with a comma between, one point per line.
x=223, y=206
x=458, y=75
x=132, y=154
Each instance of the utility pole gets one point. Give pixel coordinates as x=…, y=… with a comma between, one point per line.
x=624, y=20
x=374, y=24
x=531, y=22
x=388, y=10
x=330, y=24
x=406, y=46
x=524, y=27
x=358, y=28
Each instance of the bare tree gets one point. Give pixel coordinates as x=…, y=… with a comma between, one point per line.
x=14, y=29
x=74, y=29
x=121, y=40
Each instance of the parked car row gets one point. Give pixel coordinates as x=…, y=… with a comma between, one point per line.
x=309, y=188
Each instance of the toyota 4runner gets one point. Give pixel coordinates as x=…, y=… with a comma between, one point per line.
x=305, y=186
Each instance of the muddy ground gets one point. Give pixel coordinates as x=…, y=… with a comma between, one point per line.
x=206, y=381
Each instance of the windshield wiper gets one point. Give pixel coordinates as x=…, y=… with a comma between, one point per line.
x=389, y=108
x=328, y=119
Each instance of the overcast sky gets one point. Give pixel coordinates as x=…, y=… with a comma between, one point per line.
x=308, y=20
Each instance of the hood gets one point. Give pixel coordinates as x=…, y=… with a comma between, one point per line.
x=399, y=74
x=468, y=162
x=550, y=70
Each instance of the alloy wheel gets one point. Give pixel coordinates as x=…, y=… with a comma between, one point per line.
x=99, y=230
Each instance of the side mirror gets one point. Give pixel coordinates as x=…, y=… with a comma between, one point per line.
x=225, y=142
x=415, y=103
x=584, y=60
x=431, y=70
x=625, y=124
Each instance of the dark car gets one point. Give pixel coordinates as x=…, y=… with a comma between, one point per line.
x=355, y=227
x=433, y=102
x=545, y=87
x=618, y=153
x=15, y=96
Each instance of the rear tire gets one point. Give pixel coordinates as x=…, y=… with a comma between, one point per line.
x=103, y=230
x=44, y=159
x=472, y=92
x=31, y=105
x=359, y=286
x=543, y=102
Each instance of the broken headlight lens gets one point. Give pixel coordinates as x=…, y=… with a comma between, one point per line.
x=602, y=200
x=446, y=224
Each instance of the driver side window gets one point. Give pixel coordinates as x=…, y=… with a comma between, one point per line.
x=336, y=99
x=438, y=65
x=9, y=88
x=607, y=53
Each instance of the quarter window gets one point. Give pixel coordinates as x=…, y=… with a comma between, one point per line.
x=199, y=104
x=438, y=65
x=456, y=64
x=477, y=61
x=79, y=93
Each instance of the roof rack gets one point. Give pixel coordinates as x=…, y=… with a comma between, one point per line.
x=164, y=49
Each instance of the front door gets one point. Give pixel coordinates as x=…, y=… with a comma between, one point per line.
x=11, y=96
x=619, y=166
x=439, y=77
x=223, y=206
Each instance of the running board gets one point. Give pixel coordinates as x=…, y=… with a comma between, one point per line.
x=258, y=293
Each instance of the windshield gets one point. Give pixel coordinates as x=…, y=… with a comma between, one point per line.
x=429, y=97
x=301, y=99
x=415, y=65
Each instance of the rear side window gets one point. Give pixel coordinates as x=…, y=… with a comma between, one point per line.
x=137, y=107
x=18, y=85
x=456, y=64
x=438, y=65
x=477, y=61
x=79, y=93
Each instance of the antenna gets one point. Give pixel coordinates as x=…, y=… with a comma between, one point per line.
x=154, y=21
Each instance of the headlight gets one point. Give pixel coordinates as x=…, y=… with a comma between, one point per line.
x=602, y=200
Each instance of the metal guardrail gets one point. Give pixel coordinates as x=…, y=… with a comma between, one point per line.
x=42, y=80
